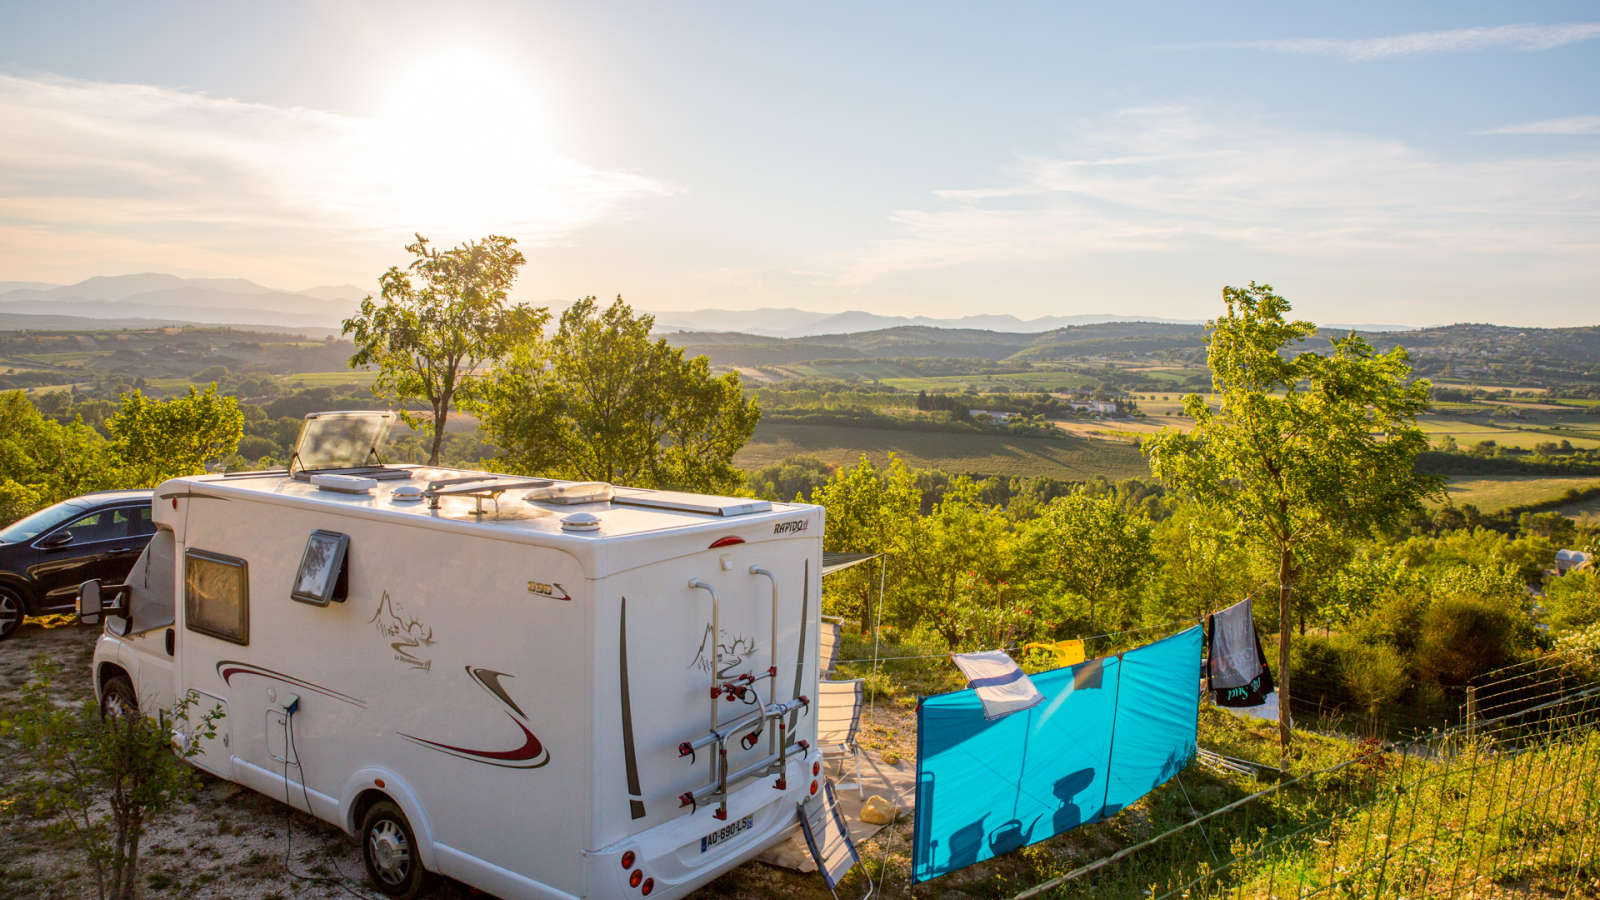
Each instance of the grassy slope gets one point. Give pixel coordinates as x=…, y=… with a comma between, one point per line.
x=1497, y=493
x=1073, y=458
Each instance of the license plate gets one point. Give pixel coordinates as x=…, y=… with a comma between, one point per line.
x=725, y=833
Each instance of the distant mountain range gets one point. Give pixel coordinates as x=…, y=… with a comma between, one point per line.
x=153, y=297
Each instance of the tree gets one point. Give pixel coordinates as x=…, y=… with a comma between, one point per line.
x=1088, y=549
x=432, y=340
x=601, y=401
x=869, y=509
x=97, y=777
x=43, y=461
x=1303, y=446
x=155, y=440
x=951, y=561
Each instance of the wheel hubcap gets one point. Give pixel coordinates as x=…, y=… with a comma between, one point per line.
x=116, y=704
x=10, y=612
x=391, y=856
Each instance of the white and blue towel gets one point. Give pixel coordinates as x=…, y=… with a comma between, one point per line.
x=1001, y=684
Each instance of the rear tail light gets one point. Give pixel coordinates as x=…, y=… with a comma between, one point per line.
x=813, y=787
x=649, y=885
x=635, y=878
x=816, y=769
x=627, y=859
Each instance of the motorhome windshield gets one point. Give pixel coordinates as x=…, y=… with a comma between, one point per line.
x=42, y=521
x=341, y=440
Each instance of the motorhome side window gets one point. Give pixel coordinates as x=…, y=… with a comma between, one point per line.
x=216, y=596
x=322, y=577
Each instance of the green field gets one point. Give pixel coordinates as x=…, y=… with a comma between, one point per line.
x=848, y=371
x=1494, y=494
x=1074, y=458
x=327, y=379
x=1017, y=381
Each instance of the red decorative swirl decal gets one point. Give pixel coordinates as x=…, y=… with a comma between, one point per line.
x=531, y=755
x=228, y=668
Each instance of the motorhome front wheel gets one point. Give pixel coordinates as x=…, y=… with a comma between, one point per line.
x=117, y=697
x=389, y=848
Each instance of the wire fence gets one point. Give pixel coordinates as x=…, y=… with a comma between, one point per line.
x=1502, y=805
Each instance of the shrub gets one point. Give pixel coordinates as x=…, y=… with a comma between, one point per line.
x=97, y=778
x=1376, y=675
x=1463, y=636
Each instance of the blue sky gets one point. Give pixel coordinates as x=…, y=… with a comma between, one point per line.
x=1422, y=164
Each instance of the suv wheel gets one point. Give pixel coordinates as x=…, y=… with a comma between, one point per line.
x=10, y=612
x=389, y=848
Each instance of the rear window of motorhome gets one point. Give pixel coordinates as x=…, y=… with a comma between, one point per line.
x=216, y=592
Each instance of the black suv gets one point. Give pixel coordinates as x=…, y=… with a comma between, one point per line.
x=44, y=557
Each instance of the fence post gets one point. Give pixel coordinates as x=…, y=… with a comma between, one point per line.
x=1472, y=711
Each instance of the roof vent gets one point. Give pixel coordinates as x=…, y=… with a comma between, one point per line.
x=695, y=503
x=344, y=484
x=571, y=494
x=406, y=493
x=581, y=522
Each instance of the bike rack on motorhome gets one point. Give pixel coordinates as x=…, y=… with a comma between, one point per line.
x=500, y=679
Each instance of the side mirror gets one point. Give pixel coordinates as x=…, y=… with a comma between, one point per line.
x=96, y=601
x=59, y=539
x=89, y=602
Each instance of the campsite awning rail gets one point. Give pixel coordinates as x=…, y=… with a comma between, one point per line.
x=838, y=562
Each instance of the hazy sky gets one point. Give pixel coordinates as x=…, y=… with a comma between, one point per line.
x=1409, y=163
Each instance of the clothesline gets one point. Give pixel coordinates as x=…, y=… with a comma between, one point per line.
x=1091, y=637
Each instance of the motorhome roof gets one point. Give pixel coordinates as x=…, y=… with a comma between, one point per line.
x=654, y=511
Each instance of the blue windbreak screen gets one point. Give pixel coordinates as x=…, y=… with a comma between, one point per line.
x=1158, y=706
x=987, y=788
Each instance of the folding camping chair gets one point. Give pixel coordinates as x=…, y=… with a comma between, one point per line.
x=830, y=640
x=838, y=720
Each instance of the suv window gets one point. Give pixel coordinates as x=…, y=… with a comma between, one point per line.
x=132, y=521
x=97, y=526
x=41, y=521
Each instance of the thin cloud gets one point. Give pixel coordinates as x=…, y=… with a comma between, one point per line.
x=1168, y=179
x=1568, y=125
x=129, y=165
x=1508, y=37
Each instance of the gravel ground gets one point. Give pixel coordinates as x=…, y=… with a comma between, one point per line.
x=231, y=842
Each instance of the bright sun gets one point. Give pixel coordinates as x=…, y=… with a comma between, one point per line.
x=464, y=143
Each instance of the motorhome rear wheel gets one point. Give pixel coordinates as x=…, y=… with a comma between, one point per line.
x=389, y=847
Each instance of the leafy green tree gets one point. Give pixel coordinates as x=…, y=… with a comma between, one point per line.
x=955, y=556
x=159, y=439
x=792, y=478
x=869, y=511
x=433, y=337
x=601, y=401
x=1203, y=566
x=1086, y=550
x=97, y=778
x=43, y=461
x=1304, y=447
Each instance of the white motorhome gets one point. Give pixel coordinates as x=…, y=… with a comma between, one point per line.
x=541, y=689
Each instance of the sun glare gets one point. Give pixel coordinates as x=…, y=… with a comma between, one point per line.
x=465, y=143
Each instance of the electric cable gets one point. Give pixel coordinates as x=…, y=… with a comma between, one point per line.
x=342, y=882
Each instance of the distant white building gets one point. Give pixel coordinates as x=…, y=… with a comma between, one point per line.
x=1103, y=407
x=1568, y=560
